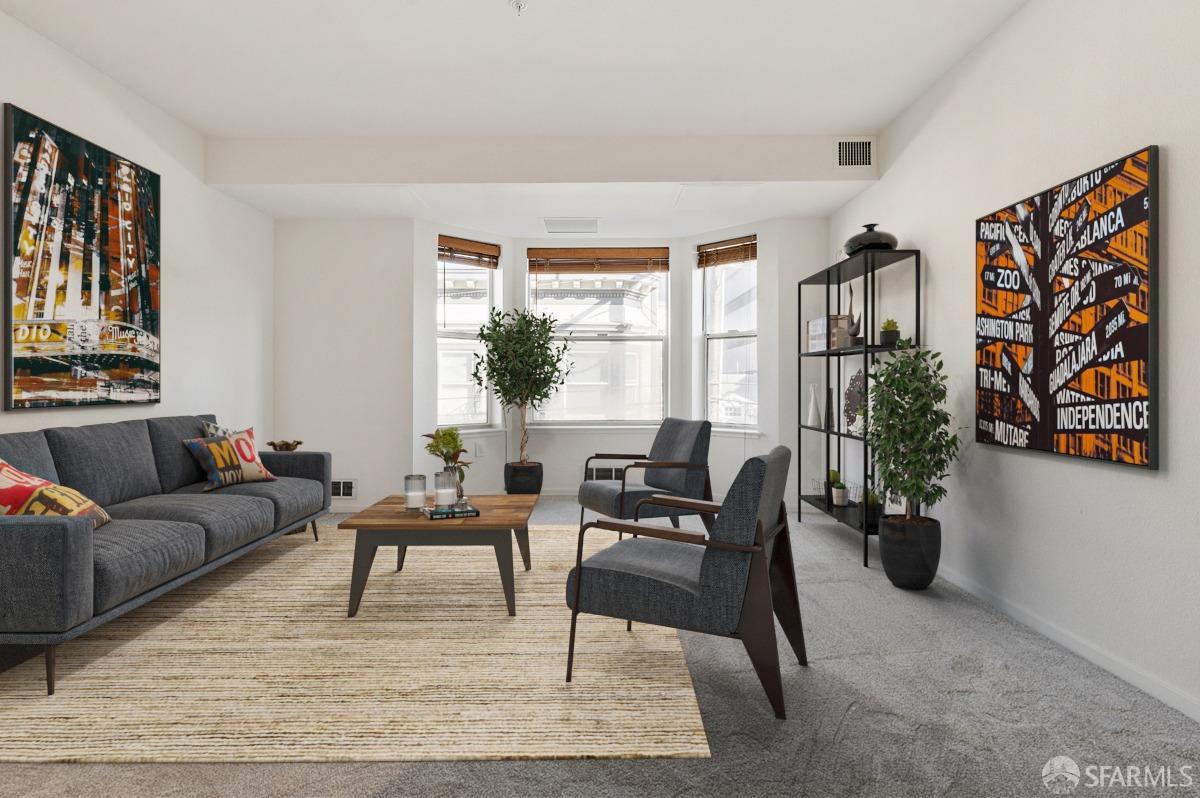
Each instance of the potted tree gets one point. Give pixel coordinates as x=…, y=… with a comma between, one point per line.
x=524, y=366
x=910, y=436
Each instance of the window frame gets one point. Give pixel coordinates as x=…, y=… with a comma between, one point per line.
x=707, y=337
x=489, y=421
x=665, y=340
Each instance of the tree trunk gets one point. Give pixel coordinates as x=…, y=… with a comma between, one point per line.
x=524, y=434
x=908, y=509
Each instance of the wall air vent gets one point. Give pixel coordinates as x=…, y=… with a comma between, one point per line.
x=344, y=488
x=575, y=224
x=855, y=152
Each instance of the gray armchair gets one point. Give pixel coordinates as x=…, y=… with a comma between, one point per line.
x=728, y=583
x=677, y=466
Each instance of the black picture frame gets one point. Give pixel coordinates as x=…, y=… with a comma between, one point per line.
x=1153, y=268
x=146, y=178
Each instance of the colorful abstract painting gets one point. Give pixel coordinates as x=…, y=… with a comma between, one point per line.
x=1064, y=326
x=82, y=243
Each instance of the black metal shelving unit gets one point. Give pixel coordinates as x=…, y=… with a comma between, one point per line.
x=863, y=265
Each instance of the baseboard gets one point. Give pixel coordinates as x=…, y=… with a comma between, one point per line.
x=1121, y=668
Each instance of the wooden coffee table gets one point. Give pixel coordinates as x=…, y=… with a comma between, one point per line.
x=390, y=523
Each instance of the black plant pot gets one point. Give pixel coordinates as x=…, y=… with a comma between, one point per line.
x=889, y=337
x=523, y=477
x=910, y=550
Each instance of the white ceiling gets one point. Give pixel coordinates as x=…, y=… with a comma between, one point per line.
x=633, y=210
x=301, y=68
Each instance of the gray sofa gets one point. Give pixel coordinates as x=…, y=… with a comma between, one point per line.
x=60, y=579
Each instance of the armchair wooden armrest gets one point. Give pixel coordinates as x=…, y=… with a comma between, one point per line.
x=667, y=464
x=609, y=456
x=645, y=530
x=695, y=505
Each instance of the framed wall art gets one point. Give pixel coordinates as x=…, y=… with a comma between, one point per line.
x=83, y=308
x=1065, y=337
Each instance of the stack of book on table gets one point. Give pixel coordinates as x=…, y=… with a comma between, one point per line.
x=454, y=511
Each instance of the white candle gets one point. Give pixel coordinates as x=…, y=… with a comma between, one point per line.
x=446, y=497
x=414, y=500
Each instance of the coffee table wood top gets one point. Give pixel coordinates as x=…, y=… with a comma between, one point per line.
x=502, y=511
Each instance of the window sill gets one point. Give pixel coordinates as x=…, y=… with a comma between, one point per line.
x=469, y=431
x=737, y=432
x=616, y=426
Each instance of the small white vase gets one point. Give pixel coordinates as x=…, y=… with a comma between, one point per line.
x=814, y=407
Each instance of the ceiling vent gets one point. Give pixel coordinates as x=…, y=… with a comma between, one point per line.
x=855, y=152
x=576, y=225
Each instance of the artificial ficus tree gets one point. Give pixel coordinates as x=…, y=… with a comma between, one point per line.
x=521, y=362
x=909, y=430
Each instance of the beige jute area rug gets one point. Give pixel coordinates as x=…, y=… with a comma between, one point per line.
x=257, y=662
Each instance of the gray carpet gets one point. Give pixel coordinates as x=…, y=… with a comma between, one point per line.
x=907, y=694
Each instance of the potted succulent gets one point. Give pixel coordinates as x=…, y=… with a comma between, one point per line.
x=446, y=444
x=841, y=494
x=524, y=366
x=889, y=332
x=913, y=446
x=834, y=477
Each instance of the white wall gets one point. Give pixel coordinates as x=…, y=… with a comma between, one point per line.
x=1099, y=557
x=344, y=347
x=217, y=322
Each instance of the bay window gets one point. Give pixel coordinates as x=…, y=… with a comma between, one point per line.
x=465, y=282
x=611, y=303
x=730, y=321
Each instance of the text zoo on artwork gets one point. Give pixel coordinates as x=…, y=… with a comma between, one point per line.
x=1064, y=325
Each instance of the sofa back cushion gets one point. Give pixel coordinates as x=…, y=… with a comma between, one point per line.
x=175, y=464
x=29, y=452
x=108, y=463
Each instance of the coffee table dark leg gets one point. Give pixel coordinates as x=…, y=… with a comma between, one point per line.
x=364, y=556
x=505, y=561
x=400, y=552
x=523, y=544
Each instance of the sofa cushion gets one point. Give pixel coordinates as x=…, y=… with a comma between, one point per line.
x=293, y=497
x=175, y=464
x=108, y=463
x=26, y=494
x=229, y=459
x=29, y=452
x=229, y=522
x=131, y=557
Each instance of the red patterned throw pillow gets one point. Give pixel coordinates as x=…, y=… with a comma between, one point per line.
x=25, y=494
x=229, y=459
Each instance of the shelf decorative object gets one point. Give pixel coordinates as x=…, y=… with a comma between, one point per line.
x=870, y=239
x=840, y=432
x=889, y=332
x=814, y=407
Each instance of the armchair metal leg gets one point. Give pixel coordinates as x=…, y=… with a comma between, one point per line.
x=51, y=656
x=629, y=626
x=571, y=645
x=314, y=526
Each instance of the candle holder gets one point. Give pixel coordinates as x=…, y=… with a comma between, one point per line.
x=414, y=492
x=445, y=489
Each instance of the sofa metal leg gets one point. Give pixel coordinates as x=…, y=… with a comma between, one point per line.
x=315, y=537
x=51, y=652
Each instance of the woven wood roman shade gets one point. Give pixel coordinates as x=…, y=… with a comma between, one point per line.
x=734, y=250
x=464, y=252
x=597, y=260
